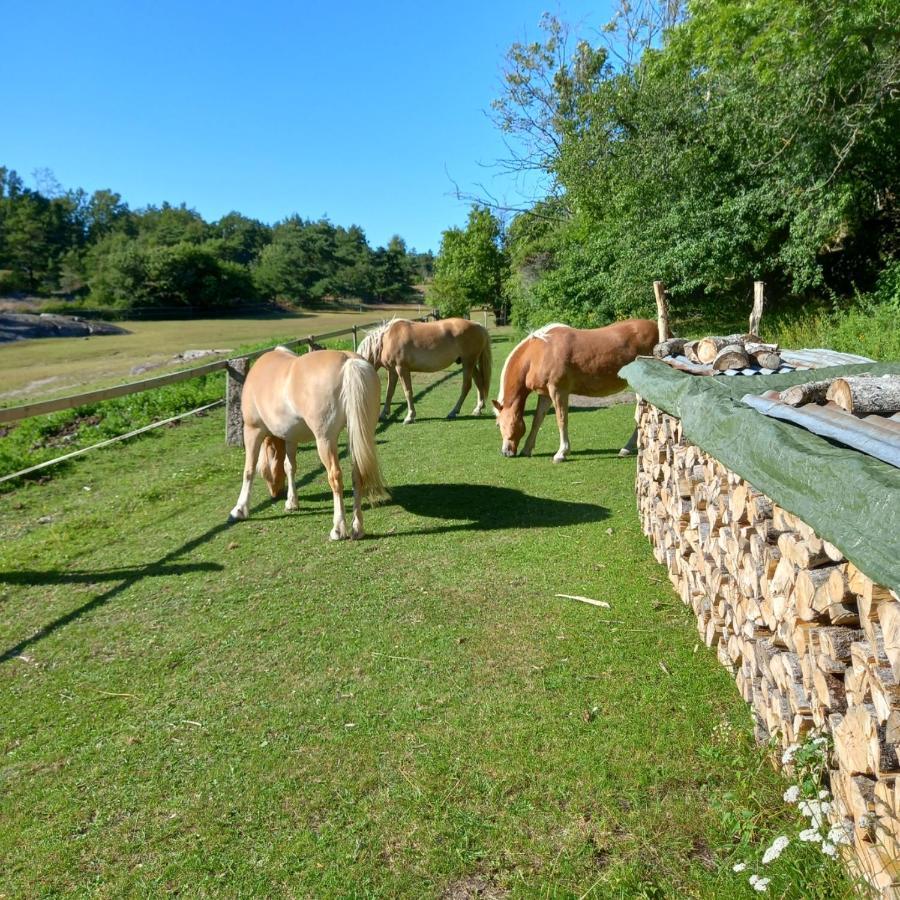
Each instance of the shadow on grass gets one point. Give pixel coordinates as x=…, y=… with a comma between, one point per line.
x=485, y=507
x=125, y=578
x=398, y=407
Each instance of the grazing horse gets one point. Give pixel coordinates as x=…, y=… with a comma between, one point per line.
x=556, y=361
x=288, y=399
x=402, y=346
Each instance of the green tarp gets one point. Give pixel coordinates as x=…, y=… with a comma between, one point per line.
x=848, y=498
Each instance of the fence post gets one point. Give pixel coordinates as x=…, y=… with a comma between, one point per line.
x=759, y=298
x=236, y=372
x=355, y=342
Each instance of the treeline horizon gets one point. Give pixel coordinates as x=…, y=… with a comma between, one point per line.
x=96, y=250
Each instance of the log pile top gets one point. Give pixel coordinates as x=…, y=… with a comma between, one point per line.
x=876, y=434
x=812, y=641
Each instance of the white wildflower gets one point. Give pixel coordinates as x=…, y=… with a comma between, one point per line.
x=842, y=833
x=788, y=756
x=819, y=741
x=759, y=884
x=739, y=867
x=792, y=794
x=824, y=794
x=775, y=850
x=753, y=879
x=810, y=835
x=829, y=849
x=815, y=811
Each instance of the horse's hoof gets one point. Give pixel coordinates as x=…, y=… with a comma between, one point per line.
x=559, y=459
x=626, y=452
x=236, y=515
x=408, y=421
x=291, y=507
x=451, y=415
x=357, y=534
x=525, y=452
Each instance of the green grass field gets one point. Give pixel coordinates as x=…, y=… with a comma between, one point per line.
x=192, y=708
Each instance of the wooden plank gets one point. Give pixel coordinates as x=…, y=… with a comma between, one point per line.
x=14, y=413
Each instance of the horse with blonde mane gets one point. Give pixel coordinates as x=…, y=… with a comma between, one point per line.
x=402, y=346
x=288, y=399
x=557, y=361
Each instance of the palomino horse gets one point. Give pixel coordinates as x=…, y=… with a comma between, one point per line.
x=402, y=347
x=556, y=361
x=288, y=399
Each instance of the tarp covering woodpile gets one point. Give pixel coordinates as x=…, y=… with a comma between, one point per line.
x=849, y=498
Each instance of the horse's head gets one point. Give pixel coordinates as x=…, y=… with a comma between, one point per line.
x=271, y=465
x=511, y=421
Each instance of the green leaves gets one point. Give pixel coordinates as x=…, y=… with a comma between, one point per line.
x=470, y=267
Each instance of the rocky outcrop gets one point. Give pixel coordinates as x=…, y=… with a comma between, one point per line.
x=22, y=326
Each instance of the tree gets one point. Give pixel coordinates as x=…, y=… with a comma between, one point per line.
x=753, y=139
x=393, y=273
x=470, y=266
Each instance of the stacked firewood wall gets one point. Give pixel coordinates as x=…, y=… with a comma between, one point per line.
x=812, y=642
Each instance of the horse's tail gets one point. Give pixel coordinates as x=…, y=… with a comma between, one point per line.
x=484, y=364
x=361, y=398
x=271, y=464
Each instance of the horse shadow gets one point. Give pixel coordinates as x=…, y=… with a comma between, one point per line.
x=486, y=507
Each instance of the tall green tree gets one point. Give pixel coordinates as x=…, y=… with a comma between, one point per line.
x=470, y=267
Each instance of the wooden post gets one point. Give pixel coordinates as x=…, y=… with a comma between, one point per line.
x=758, y=301
x=236, y=372
x=485, y=317
x=355, y=342
x=662, y=311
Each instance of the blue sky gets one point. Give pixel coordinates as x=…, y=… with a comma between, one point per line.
x=361, y=111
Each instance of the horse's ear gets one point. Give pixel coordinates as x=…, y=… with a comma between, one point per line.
x=497, y=406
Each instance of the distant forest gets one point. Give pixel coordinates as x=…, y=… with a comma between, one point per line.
x=93, y=247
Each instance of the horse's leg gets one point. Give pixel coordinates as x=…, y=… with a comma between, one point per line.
x=407, y=389
x=561, y=403
x=540, y=411
x=466, y=387
x=389, y=394
x=329, y=456
x=290, y=469
x=253, y=438
x=356, y=529
x=481, y=389
x=631, y=446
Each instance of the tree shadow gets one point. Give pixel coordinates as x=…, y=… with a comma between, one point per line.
x=486, y=507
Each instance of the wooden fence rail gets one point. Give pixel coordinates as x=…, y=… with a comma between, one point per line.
x=235, y=369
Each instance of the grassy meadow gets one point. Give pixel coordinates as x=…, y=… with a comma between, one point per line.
x=210, y=710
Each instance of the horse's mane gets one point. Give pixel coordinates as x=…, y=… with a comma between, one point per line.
x=370, y=346
x=539, y=334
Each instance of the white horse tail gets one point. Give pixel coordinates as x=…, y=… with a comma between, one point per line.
x=484, y=363
x=361, y=398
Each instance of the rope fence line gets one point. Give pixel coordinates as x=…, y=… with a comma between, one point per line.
x=112, y=440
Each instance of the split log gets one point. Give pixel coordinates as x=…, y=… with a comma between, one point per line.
x=731, y=356
x=708, y=348
x=671, y=347
x=766, y=356
x=863, y=394
x=801, y=394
